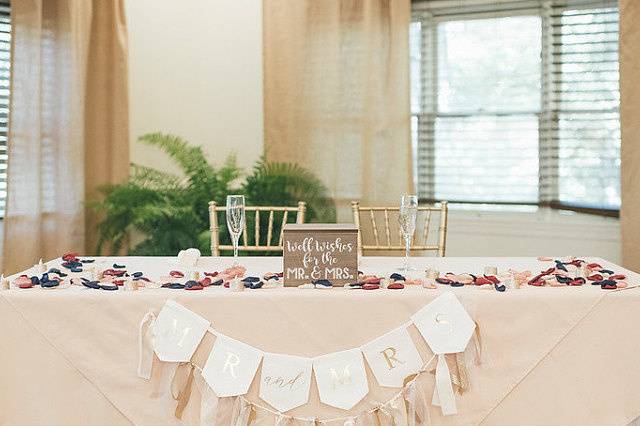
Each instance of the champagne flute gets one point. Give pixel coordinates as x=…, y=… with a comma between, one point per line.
x=235, y=221
x=407, y=220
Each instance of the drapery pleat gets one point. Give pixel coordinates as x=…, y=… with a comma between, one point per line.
x=630, y=132
x=68, y=126
x=336, y=94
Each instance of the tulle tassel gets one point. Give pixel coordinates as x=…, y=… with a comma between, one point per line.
x=383, y=415
x=367, y=419
x=350, y=422
x=410, y=401
x=461, y=374
x=398, y=410
x=226, y=410
x=241, y=412
x=457, y=366
x=263, y=418
x=421, y=405
x=167, y=373
x=208, y=402
x=477, y=344
x=145, y=346
x=282, y=420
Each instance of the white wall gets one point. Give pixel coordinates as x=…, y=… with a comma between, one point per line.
x=195, y=70
x=543, y=233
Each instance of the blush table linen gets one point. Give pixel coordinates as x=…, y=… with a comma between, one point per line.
x=550, y=355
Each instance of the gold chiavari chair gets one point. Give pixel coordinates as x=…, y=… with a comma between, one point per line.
x=254, y=213
x=395, y=242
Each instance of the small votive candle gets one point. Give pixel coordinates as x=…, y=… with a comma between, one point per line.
x=236, y=285
x=130, y=285
x=491, y=271
x=4, y=283
x=432, y=273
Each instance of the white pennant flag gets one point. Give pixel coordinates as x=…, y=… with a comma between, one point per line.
x=285, y=381
x=177, y=332
x=341, y=378
x=393, y=357
x=447, y=328
x=231, y=366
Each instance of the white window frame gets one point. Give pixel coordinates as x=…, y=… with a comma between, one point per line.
x=432, y=13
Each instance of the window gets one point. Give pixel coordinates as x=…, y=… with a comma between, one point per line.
x=517, y=102
x=5, y=68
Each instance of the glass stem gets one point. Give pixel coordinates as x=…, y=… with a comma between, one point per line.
x=236, y=242
x=407, y=246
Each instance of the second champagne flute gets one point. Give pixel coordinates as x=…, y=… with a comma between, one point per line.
x=407, y=220
x=235, y=221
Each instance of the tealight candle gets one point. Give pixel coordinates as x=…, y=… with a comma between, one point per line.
x=585, y=271
x=41, y=267
x=491, y=271
x=4, y=283
x=432, y=273
x=509, y=282
x=236, y=285
x=385, y=282
x=129, y=285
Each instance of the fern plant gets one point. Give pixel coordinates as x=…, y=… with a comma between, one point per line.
x=165, y=213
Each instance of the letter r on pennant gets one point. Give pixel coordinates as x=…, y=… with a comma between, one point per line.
x=232, y=361
x=389, y=355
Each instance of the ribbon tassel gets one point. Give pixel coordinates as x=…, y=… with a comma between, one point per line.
x=398, y=411
x=461, y=378
x=208, y=402
x=184, y=394
x=410, y=400
x=443, y=393
x=242, y=412
x=282, y=420
x=167, y=373
x=145, y=346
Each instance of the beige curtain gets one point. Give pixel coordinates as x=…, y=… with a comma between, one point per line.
x=630, y=125
x=336, y=94
x=68, y=128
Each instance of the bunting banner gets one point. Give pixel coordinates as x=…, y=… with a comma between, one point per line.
x=341, y=378
x=231, y=366
x=285, y=381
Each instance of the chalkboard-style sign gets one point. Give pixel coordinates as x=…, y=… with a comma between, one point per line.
x=317, y=251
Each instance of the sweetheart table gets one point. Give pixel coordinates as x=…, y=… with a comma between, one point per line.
x=550, y=355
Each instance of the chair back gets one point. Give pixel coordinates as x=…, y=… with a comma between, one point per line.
x=393, y=241
x=255, y=215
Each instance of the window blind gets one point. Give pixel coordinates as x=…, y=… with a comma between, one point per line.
x=516, y=102
x=580, y=135
x=5, y=74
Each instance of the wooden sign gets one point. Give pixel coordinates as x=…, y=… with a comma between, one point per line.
x=315, y=251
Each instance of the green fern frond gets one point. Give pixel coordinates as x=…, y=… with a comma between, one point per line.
x=148, y=177
x=285, y=184
x=191, y=159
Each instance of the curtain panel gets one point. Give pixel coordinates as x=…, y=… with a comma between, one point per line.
x=68, y=128
x=630, y=126
x=336, y=94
